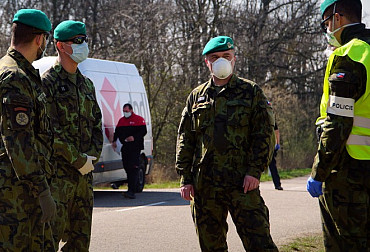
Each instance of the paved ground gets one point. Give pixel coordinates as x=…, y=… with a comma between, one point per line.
x=159, y=220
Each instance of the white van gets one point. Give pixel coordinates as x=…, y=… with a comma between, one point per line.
x=116, y=83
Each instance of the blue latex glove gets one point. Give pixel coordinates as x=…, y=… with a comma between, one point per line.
x=314, y=187
x=277, y=146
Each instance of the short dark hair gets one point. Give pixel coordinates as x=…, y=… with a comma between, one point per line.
x=24, y=34
x=127, y=105
x=349, y=8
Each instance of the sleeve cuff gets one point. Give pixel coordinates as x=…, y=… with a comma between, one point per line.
x=185, y=181
x=255, y=173
x=81, y=160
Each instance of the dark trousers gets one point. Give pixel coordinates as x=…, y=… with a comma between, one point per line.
x=274, y=172
x=74, y=196
x=345, y=207
x=249, y=213
x=130, y=160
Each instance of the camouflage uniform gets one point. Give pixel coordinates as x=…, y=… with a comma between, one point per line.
x=76, y=121
x=226, y=133
x=345, y=203
x=24, y=156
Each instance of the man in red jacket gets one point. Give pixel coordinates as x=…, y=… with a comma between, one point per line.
x=130, y=131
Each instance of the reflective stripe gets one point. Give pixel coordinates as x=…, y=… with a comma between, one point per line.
x=320, y=122
x=358, y=140
x=361, y=122
x=341, y=106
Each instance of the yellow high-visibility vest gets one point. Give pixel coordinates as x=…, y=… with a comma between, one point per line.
x=358, y=142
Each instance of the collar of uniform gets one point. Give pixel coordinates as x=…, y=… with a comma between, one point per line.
x=23, y=62
x=64, y=74
x=351, y=32
x=231, y=84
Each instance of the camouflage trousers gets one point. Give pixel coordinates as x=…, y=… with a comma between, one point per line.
x=73, y=194
x=249, y=213
x=345, y=208
x=20, y=216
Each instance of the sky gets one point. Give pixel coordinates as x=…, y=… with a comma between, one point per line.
x=366, y=12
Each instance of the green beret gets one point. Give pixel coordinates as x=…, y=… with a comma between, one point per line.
x=68, y=29
x=327, y=3
x=33, y=18
x=218, y=44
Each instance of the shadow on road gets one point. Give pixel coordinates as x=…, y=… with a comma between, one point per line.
x=116, y=199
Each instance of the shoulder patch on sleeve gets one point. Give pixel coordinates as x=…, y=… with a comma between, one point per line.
x=18, y=110
x=341, y=76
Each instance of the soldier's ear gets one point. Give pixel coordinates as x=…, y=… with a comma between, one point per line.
x=39, y=38
x=61, y=46
x=207, y=62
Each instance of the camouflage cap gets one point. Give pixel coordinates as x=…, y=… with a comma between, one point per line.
x=34, y=18
x=218, y=44
x=327, y=3
x=68, y=29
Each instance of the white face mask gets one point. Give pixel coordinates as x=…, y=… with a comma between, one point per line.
x=42, y=54
x=79, y=52
x=222, y=68
x=332, y=40
x=127, y=114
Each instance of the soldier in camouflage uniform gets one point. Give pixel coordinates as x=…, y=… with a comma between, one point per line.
x=225, y=141
x=78, y=138
x=341, y=171
x=26, y=205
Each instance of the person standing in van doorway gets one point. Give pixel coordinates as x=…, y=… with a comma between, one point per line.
x=78, y=138
x=225, y=141
x=130, y=131
x=26, y=205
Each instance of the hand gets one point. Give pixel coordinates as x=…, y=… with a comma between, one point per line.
x=314, y=187
x=47, y=205
x=114, y=145
x=250, y=183
x=129, y=139
x=88, y=166
x=187, y=192
x=277, y=147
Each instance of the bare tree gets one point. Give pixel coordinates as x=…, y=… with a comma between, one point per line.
x=278, y=45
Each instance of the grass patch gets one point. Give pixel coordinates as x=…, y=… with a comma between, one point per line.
x=311, y=243
x=169, y=184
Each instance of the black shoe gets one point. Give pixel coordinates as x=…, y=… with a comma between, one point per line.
x=279, y=188
x=129, y=195
x=114, y=186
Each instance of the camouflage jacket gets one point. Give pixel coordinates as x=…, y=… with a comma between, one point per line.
x=25, y=128
x=227, y=131
x=75, y=116
x=336, y=129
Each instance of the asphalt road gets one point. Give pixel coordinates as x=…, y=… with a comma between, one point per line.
x=159, y=220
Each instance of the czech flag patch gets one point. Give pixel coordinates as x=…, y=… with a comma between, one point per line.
x=340, y=75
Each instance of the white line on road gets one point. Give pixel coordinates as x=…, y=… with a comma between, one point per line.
x=134, y=208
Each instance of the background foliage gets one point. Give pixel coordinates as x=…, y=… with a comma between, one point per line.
x=278, y=43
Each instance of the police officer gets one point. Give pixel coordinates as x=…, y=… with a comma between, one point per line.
x=340, y=173
x=225, y=141
x=26, y=205
x=76, y=122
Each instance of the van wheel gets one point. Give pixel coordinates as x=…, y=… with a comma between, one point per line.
x=141, y=176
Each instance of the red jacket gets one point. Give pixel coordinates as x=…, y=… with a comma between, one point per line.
x=133, y=126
